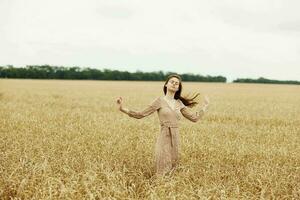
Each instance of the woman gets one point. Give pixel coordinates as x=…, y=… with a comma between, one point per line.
x=169, y=108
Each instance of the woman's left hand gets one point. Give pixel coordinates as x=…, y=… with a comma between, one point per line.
x=206, y=100
x=206, y=103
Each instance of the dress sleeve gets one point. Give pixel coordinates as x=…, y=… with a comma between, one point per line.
x=194, y=117
x=151, y=108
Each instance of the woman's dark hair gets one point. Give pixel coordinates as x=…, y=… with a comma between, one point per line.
x=190, y=102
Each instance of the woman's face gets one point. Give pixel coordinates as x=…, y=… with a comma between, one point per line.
x=173, y=84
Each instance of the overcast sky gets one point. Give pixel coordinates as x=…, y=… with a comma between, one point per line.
x=236, y=39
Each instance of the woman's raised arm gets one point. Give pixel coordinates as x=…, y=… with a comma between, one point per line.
x=194, y=117
x=151, y=108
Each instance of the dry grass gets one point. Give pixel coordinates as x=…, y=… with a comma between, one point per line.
x=67, y=140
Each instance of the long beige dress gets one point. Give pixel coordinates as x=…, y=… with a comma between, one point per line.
x=167, y=143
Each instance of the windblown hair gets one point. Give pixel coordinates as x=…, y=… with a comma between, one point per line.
x=190, y=102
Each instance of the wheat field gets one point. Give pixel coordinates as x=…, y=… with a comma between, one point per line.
x=66, y=139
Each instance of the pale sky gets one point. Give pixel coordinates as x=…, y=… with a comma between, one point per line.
x=235, y=39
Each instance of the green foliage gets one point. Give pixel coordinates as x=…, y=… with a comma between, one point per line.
x=264, y=80
x=60, y=72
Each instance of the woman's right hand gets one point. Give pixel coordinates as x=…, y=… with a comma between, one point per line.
x=120, y=102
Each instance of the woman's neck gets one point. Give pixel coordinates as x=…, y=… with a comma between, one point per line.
x=170, y=95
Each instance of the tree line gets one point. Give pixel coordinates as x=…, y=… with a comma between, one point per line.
x=60, y=72
x=265, y=80
x=77, y=73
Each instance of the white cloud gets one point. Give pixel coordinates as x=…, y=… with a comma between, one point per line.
x=230, y=38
